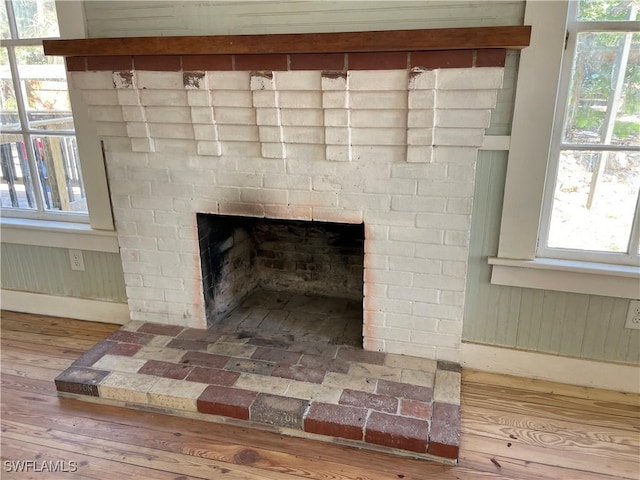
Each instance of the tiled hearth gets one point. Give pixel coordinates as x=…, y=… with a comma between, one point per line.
x=289, y=377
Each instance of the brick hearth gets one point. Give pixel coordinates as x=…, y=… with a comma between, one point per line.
x=285, y=378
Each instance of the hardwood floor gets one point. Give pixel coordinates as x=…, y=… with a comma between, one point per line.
x=512, y=428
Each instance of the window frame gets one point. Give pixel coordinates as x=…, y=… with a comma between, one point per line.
x=517, y=263
x=98, y=234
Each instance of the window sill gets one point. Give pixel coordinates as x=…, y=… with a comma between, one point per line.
x=568, y=276
x=45, y=233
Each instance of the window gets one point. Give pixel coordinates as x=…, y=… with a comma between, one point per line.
x=40, y=168
x=591, y=200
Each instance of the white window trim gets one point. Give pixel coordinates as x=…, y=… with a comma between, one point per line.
x=66, y=234
x=532, y=129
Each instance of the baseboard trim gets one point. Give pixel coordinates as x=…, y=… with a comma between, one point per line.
x=540, y=366
x=70, y=307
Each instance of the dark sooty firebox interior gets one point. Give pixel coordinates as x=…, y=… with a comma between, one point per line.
x=301, y=278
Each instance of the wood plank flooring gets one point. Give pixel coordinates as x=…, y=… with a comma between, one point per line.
x=512, y=428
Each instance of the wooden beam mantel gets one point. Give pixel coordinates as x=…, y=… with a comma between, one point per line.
x=509, y=37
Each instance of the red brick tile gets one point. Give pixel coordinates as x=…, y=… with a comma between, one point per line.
x=160, y=329
x=81, y=381
x=187, y=344
x=381, y=403
x=276, y=355
x=207, y=62
x=444, y=437
x=335, y=420
x=261, y=62
x=165, y=369
x=449, y=366
x=124, y=349
x=225, y=401
x=130, y=337
x=362, y=356
x=491, y=57
x=202, y=359
x=199, y=334
x=317, y=61
x=413, y=408
x=296, y=372
x=442, y=59
x=113, y=63
x=76, y=64
x=257, y=367
x=213, y=376
x=397, y=432
x=169, y=63
x=377, y=60
x=277, y=410
x=94, y=354
x=404, y=390
x=324, y=363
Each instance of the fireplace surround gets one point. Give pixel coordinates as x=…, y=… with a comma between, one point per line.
x=216, y=146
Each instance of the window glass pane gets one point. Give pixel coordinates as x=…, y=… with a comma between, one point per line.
x=16, y=189
x=604, y=99
x=4, y=22
x=36, y=18
x=8, y=106
x=59, y=170
x=597, y=218
x=607, y=10
x=44, y=86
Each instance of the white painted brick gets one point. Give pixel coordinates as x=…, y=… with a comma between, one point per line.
x=243, y=209
x=168, y=114
x=442, y=154
x=338, y=99
x=164, y=259
x=483, y=78
x=419, y=235
x=261, y=82
x=459, y=136
x=337, y=136
x=243, y=133
x=142, y=145
x=91, y=80
x=156, y=281
x=299, y=117
x=415, y=350
x=463, y=118
x=163, y=97
x=171, y=130
x=228, y=80
x=128, y=97
x=298, y=80
x=419, y=154
x=268, y=134
x=421, y=99
x=100, y=97
x=379, y=153
x=133, y=114
x=142, y=268
x=375, y=290
x=138, y=242
x=264, y=196
x=365, y=201
x=334, y=82
x=303, y=135
x=377, y=233
x=243, y=149
x=134, y=280
x=236, y=116
x=378, y=79
x=437, y=311
x=449, y=354
x=205, y=132
x=209, y=148
x=106, y=114
x=391, y=219
x=373, y=344
x=453, y=327
x=221, y=194
x=273, y=150
x=390, y=305
x=406, y=203
x=467, y=99
x=336, y=117
x=388, y=277
x=398, y=334
x=415, y=265
x=267, y=116
x=308, y=152
x=462, y=172
x=374, y=318
x=459, y=205
x=376, y=261
x=439, y=282
x=260, y=165
x=111, y=129
x=120, y=201
x=338, y=153
x=336, y=215
x=444, y=189
x=435, y=339
x=264, y=99
x=326, y=183
x=457, y=238
x=441, y=252
x=201, y=114
x=448, y=297
x=175, y=145
x=313, y=199
x=233, y=179
x=413, y=293
x=143, y=293
x=124, y=79
x=419, y=171
x=287, y=212
x=421, y=118
x=137, y=129
x=289, y=182
x=159, y=80
x=378, y=100
x=412, y=322
x=420, y=79
x=300, y=99
x=198, y=98
x=420, y=136
x=400, y=249
x=117, y=144
x=379, y=118
x=402, y=186
x=233, y=98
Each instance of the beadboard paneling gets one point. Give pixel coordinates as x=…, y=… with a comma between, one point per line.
x=569, y=324
x=47, y=270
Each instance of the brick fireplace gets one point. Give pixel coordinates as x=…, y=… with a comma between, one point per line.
x=245, y=169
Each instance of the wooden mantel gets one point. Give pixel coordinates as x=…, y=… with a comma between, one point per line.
x=509, y=37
